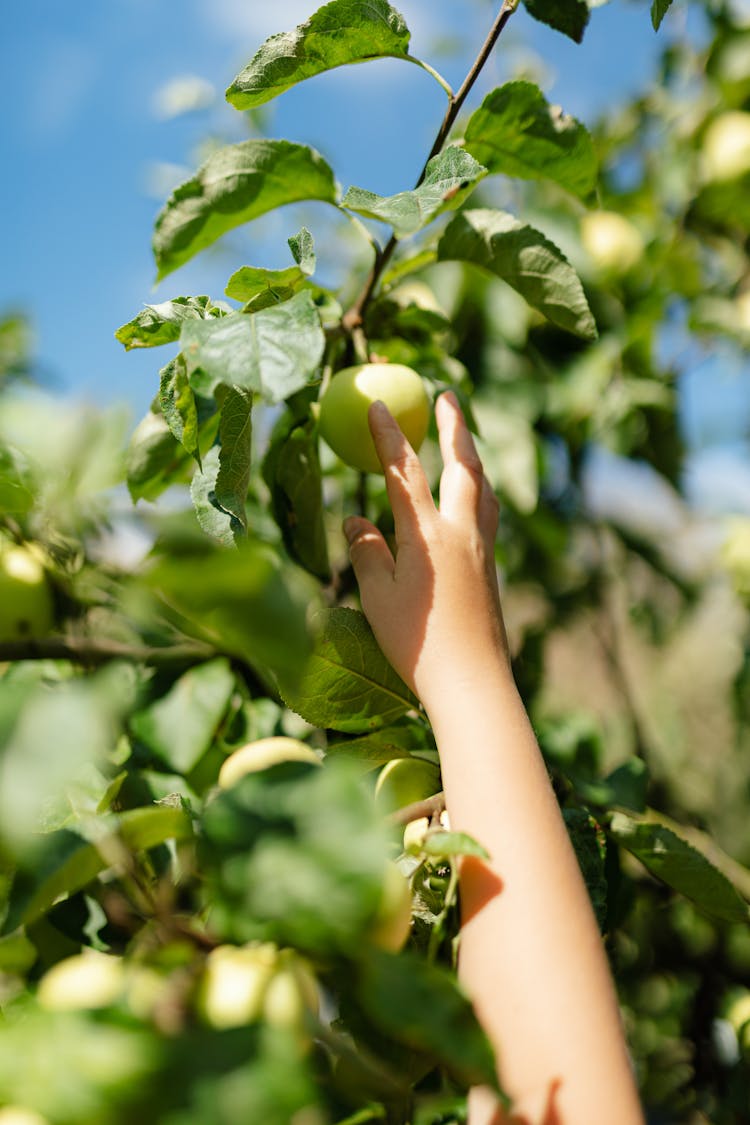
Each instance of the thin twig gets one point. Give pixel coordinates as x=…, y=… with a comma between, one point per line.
x=354, y=316
x=432, y=806
x=97, y=652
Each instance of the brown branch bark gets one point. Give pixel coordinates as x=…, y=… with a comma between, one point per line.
x=354, y=316
x=97, y=652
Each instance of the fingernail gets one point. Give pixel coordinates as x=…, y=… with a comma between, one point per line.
x=350, y=526
x=379, y=409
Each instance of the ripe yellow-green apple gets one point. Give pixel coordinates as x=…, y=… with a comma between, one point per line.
x=725, y=151
x=26, y=608
x=738, y=1013
x=403, y=781
x=262, y=754
x=291, y=995
x=234, y=983
x=392, y=921
x=415, y=832
x=87, y=980
x=742, y=311
x=344, y=406
x=611, y=241
x=20, y=1115
x=735, y=553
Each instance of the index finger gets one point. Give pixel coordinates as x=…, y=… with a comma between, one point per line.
x=408, y=491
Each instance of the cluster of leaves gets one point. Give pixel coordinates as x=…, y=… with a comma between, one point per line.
x=113, y=731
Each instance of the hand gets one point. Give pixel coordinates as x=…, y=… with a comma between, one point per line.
x=435, y=608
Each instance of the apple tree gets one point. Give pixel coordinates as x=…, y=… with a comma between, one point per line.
x=228, y=886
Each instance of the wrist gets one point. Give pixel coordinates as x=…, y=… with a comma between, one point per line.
x=457, y=687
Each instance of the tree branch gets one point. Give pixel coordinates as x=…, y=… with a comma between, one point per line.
x=353, y=317
x=432, y=806
x=98, y=652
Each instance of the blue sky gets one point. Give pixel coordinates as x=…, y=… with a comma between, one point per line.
x=89, y=155
x=84, y=143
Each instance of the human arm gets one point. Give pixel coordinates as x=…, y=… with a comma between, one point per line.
x=531, y=958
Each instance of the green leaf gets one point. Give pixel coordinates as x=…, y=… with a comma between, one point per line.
x=568, y=16
x=381, y=746
x=16, y=487
x=243, y=601
x=291, y=469
x=263, y=288
x=178, y=405
x=421, y=1005
x=529, y=262
x=659, y=9
x=295, y=854
x=446, y=845
x=154, y=460
x=515, y=131
x=216, y=521
x=236, y=184
x=681, y=866
x=449, y=179
x=348, y=684
x=342, y=32
x=60, y=734
x=235, y=437
x=302, y=247
x=589, y=845
x=160, y=324
x=274, y=352
x=180, y=726
x=71, y=862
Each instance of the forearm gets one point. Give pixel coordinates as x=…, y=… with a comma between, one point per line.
x=531, y=956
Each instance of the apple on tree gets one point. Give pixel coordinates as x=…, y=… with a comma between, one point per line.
x=392, y=921
x=403, y=781
x=725, y=152
x=262, y=754
x=344, y=406
x=26, y=608
x=613, y=244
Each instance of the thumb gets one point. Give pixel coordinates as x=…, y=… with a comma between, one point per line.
x=370, y=554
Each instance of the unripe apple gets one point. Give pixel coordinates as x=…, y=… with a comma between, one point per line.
x=403, y=781
x=725, y=153
x=611, y=241
x=291, y=994
x=262, y=754
x=344, y=407
x=234, y=983
x=88, y=980
x=415, y=832
x=19, y=1115
x=26, y=608
x=392, y=921
x=735, y=553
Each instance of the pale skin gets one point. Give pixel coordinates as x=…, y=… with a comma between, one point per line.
x=531, y=957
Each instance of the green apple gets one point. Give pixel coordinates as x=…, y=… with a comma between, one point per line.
x=87, y=980
x=403, y=781
x=26, y=608
x=611, y=241
x=725, y=152
x=262, y=754
x=415, y=832
x=735, y=553
x=344, y=407
x=20, y=1115
x=292, y=993
x=234, y=983
x=392, y=921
